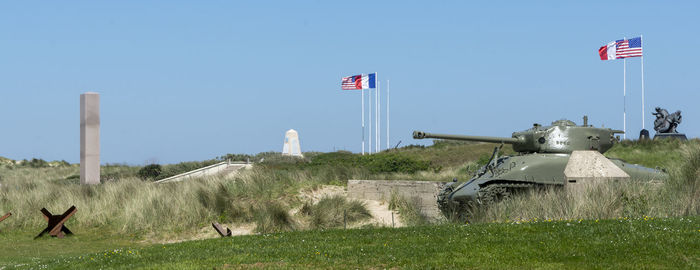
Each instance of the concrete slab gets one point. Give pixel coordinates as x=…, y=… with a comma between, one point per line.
x=591, y=166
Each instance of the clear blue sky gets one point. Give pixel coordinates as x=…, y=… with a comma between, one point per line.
x=192, y=80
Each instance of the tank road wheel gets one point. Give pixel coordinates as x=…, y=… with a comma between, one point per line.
x=452, y=210
x=447, y=208
x=457, y=211
x=492, y=194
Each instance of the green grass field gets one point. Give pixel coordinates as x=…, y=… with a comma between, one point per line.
x=622, y=243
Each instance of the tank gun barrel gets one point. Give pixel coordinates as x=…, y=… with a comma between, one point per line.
x=425, y=135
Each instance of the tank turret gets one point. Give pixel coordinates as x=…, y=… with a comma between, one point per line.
x=563, y=136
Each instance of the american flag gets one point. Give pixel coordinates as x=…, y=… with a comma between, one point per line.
x=352, y=82
x=629, y=48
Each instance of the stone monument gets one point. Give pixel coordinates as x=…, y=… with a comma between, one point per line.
x=89, y=138
x=291, y=144
x=666, y=124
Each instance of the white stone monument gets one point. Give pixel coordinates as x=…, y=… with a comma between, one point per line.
x=291, y=144
x=89, y=138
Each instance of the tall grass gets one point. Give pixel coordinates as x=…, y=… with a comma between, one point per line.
x=273, y=216
x=652, y=153
x=334, y=211
x=266, y=194
x=409, y=209
x=263, y=195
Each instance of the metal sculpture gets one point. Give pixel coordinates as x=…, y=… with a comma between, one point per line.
x=665, y=124
x=5, y=216
x=56, y=227
x=220, y=230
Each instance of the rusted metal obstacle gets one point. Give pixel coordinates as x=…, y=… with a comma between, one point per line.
x=5, y=216
x=56, y=227
x=220, y=229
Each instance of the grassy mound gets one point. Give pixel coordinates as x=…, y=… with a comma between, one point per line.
x=267, y=194
x=335, y=212
x=652, y=153
x=619, y=225
x=131, y=205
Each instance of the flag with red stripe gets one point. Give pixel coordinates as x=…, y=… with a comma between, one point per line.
x=629, y=48
x=623, y=48
x=358, y=82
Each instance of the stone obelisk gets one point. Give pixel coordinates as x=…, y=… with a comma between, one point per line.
x=89, y=138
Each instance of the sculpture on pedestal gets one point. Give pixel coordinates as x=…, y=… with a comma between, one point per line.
x=666, y=124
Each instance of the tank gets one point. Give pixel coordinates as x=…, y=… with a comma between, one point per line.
x=543, y=153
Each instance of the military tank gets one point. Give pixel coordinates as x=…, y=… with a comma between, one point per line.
x=543, y=153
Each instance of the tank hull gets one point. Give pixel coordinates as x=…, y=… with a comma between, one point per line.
x=511, y=174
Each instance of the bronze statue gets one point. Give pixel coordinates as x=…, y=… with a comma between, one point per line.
x=665, y=122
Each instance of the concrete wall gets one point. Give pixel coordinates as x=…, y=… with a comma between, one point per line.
x=425, y=192
x=219, y=168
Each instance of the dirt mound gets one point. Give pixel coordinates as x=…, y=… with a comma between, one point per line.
x=381, y=215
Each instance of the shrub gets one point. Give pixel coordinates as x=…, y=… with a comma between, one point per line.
x=114, y=172
x=238, y=157
x=409, y=209
x=150, y=171
x=272, y=217
x=36, y=163
x=394, y=163
x=339, y=158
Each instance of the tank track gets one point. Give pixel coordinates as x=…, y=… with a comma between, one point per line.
x=494, y=193
x=442, y=201
x=489, y=194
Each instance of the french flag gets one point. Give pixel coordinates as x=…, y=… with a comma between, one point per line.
x=624, y=48
x=609, y=51
x=358, y=82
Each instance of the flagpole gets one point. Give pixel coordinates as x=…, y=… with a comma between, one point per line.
x=624, y=95
x=369, y=107
x=641, y=44
x=377, y=146
x=624, y=98
x=363, y=121
x=387, y=114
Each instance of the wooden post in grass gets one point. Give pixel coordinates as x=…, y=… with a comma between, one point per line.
x=5, y=216
x=220, y=229
x=345, y=219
